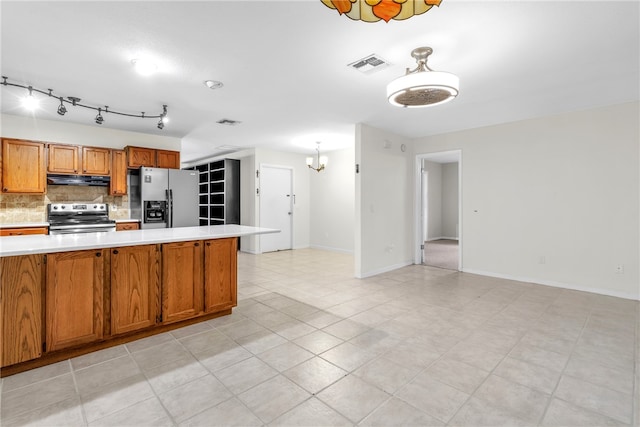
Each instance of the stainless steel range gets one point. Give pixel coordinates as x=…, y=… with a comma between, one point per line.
x=66, y=218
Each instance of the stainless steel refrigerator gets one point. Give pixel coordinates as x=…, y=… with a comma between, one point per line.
x=168, y=198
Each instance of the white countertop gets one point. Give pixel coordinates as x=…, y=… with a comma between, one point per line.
x=42, y=244
x=24, y=224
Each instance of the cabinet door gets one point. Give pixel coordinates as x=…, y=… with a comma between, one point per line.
x=220, y=278
x=23, y=231
x=23, y=168
x=21, y=305
x=74, y=298
x=138, y=156
x=96, y=161
x=182, y=281
x=135, y=288
x=124, y=226
x=168, y=159
x=63, y=159
x=118, y=184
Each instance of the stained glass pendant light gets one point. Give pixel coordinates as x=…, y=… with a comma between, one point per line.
x=375, y=10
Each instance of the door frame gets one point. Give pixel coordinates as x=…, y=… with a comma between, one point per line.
x=418, y=205
x=291, y=199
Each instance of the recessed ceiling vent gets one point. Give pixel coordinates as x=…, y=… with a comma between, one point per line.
x=228, y=122
x=369, y=64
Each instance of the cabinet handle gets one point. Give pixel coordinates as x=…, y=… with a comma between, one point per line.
x=196, y=244
x=5, y=189
x=208, y=243
x=98, y=254
x=115, y=252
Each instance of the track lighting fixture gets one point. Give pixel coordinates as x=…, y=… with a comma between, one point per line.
x=62, y=109
x=32, y=102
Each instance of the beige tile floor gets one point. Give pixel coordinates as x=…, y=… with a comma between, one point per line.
x=309, y=345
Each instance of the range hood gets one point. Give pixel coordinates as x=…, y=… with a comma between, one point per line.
x=96, y=181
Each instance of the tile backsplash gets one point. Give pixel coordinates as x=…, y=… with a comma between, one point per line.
x=24, y=208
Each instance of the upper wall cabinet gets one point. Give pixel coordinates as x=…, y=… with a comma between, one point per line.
x=139, y=156
x=96, y=161
x=118, y=183
x=63, y=159
x=168, y=159
x=23, y=167
x=151, y=158
x=66, y=159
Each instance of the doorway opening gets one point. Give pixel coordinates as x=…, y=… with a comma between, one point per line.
x=438, y=216
x=276, y=207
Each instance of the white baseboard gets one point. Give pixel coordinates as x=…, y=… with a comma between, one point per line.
x=555, y=284
x=249, y=252
x=326, y=248
x=384, y=270
x=442, y=238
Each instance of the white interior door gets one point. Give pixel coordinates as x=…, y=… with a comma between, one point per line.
x=276, y=207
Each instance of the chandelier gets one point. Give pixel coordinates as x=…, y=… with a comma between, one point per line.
x=422, y=87
x=321, y=161
x=375, y=10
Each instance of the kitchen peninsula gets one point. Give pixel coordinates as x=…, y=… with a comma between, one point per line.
x=67, y=295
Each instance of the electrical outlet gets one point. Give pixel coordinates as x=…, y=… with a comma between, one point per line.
x=114, y=207
x=620, y=269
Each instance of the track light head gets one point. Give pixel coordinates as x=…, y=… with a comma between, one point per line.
x=62, y=110
x=99, y=118
x=160, y=124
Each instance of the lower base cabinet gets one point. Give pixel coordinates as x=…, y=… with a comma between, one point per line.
x=220, y=274
x=74, y=298
x=75, y=302
x=182, y=281
x=21, y=308
x=135, y=288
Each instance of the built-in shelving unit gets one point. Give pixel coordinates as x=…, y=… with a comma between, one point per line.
x=219, y=192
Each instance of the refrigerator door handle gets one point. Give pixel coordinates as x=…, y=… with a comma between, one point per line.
x=167, y=219
x=171, y=208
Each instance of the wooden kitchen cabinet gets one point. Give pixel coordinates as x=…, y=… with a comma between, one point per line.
x=135, y=288
x=23, y=167
x=23, y=231
x=182, y=281
x=118, y=183
x=74, y=298
x=168, y=159
x=124, y=226
x=63, y=159
x=96, y=161
x=220, y=274
x=21, y=308
x=139, y=156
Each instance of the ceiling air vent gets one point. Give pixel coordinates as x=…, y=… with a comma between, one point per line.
x=369, y=64
x=228, y=122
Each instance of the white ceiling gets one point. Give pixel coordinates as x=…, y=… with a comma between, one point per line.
x=284, y=65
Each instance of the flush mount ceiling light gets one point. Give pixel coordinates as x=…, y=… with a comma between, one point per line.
x=375, y=10
x=144, y=67
x=322, y=161
x=422, y=87
x=75, y=101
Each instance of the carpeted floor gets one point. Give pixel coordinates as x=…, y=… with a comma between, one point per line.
x=441, y=253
